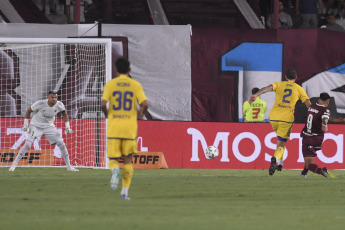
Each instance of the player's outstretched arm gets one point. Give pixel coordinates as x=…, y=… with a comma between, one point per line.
x=263, y=90
x=104, y=108
x=324, y=124
x=143, y=108
x=307, y=103
x=333, y=120
x=337, y=120
x=26, y=120
x=68, y=129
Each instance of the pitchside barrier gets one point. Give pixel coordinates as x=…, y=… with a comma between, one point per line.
x=31, y=157
x=44, y=158
x=241, y=145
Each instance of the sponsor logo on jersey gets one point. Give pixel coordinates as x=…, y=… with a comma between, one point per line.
x=313, y=110
x=123, y=84
x=121, y=116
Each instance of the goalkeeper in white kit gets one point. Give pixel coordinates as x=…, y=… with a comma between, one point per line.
x=42, y=124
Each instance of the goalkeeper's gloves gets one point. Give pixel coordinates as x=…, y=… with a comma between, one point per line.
x=25, y=127
x=68, y=128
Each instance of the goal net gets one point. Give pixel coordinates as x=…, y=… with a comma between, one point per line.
x=77, y=69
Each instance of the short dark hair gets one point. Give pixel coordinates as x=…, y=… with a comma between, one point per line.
x=52, y=92
x=324, y=96
x=255, y=90
x=291, y=74
x=330, y=15
x=122, y=65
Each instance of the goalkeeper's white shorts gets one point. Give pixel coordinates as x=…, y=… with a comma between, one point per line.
x=50, y=133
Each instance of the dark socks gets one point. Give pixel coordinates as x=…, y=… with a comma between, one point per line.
x=305, y=170
x=314, y=168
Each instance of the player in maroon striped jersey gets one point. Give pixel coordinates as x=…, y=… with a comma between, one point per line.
x=313, y=134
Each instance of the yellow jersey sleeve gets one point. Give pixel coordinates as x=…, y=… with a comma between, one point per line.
x=303, y=94
x=141, y=95
x=106, y=92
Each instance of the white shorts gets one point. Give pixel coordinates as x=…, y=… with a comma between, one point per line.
x=50, y=133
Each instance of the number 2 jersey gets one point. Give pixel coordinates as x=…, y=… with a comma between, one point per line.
x=313, y=125
x=123, y=94
x=287, y=94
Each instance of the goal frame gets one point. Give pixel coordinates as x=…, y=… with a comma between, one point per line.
x=107, y=42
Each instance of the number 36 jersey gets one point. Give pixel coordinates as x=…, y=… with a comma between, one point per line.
x=123, y=94
x=287, y=95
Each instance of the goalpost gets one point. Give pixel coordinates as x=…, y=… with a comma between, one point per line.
x=77, y=69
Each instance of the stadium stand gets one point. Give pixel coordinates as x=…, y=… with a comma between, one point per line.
x=199, y=13
x=131, y=12
x=17, y=11
x=203, y=13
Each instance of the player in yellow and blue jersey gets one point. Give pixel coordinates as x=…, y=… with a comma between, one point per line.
x=282, y=113
x=123, y=93
x=255, y=112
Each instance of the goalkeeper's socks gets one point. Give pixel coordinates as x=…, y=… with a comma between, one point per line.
x=127, y=174
x=314, y=168
x=66, y=159
x=64, y=153
x=18, y=158
x=21, y=153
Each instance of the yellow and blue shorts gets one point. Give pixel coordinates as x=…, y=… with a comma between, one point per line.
x=282, y=128
x=121, y=147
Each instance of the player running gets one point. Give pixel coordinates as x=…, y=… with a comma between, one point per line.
x=313, y=134
x=123, y=94
x=281, y=115
x=42, y=124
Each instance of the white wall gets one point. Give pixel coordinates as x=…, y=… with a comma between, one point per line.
x=160, y=57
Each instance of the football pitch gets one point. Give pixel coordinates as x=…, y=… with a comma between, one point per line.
x=52, y=198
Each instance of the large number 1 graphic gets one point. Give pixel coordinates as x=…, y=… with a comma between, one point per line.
x=123, y=100
x=288, y=94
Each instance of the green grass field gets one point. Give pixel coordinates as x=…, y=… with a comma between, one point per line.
x=52, y=198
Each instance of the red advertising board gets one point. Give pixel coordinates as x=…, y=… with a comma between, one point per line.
x=31, y=157
x=82, y=144
x=241, y=145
